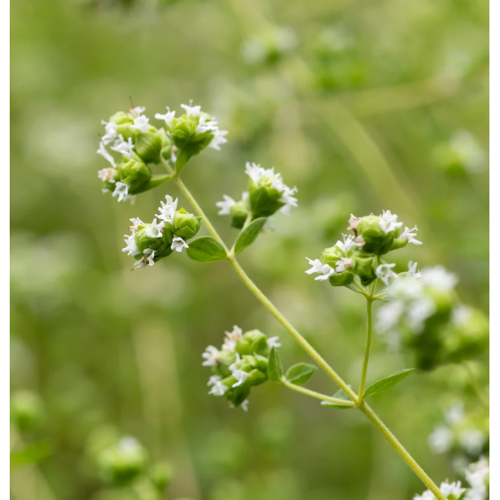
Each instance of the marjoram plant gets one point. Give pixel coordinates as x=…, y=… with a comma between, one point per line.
x=420, y=310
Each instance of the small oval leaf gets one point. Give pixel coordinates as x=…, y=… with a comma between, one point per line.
x=249, y=234
x=205, y=249
x=387, y=382
x=274, y=368
x=299, y=374
x=340, y=394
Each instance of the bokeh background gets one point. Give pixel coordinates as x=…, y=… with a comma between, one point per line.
x=364, y=106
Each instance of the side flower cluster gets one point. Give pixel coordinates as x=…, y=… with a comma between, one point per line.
x=240, y=364
x=361, y=254
x=267, y=193
x=169, y=231
x=463, y=436
x=424, y=316
x=130, y=144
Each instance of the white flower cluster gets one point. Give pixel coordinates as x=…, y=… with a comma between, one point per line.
x=345, y=261
x=408, y=299
x=257, y=173
x=211, y=355
x=122, y=147
x=477, y=475
x=446, y=489
x=206, y=123
x=443, y=437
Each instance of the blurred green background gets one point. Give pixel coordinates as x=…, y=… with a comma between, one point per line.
x=363, y=106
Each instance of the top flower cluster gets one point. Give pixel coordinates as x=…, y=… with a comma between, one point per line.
x=139, y=144
x=361, y=254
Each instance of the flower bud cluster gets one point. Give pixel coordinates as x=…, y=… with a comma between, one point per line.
x=360, y=255
x=463, y=436
x=138, y=143
x=424, y=316
x=148, y=243
x=240, y=364
x=478, y=477
x=267, y=193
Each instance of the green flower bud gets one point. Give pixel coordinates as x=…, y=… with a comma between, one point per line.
x=224, y=360
x=256, y=377
x=239, y=213
x=264, y=199
x=332, y=255
x=122, y=463
x=262, y=363
x=133, y=172
x=237, y=395
x=376, y=240
x=186, y=225
x=121, y=118
x=341, y=279
x=166, y=144
x=365, y=267
x=26, y=410
x=257, y=341
x=149, y=146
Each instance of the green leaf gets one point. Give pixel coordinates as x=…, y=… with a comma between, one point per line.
x=340, y=394
x=387, y=382
x=205, y=249
x=300, y=374
x=249, y=234
x=274, y=368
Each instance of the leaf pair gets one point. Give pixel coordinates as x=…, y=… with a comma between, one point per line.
x=208, y=249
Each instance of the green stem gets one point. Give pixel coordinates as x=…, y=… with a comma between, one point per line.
x=308, y=347
x=373, y=417
x=364, y=370
x=315, y=394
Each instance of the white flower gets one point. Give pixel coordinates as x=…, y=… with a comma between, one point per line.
x=439, y=277
x=412, y=270
x=225, y=205
x=288, y=199
x=167, y=117
x=138, y=110
x=205, y=124
x=440, y=439
x=385, y=272
x=343, y=264
x=149, y=255
x=232, y=367
x=472, y=440
x=121, y=191
x=409, y=234
x=123, y=147
x=476, y=475
x=167, y=210
x=104, y=153
x=244, y=405
x=388, y=222
x=191, y=110
x=111, y=132
x=273, y=342
x=348, y=244
x=232, y=338
x=131, y=248
x=318, y=267
x=141, y=123
x=135, y=223
x=155, y=230
x=353, y=223
x=455, y=414
x=460, y=315
x=128, y=445
x=451, y=489
x=418, y=312
x=106, y=174
x=210, y=356
x=218, y=139
x=240, y=376
x=218, y=388
x=178, y=244
x=446, y=489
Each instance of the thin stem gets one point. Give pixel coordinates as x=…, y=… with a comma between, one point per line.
x=373, y=417
x=364, y=370
x=295, y=334
x=315, y=394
